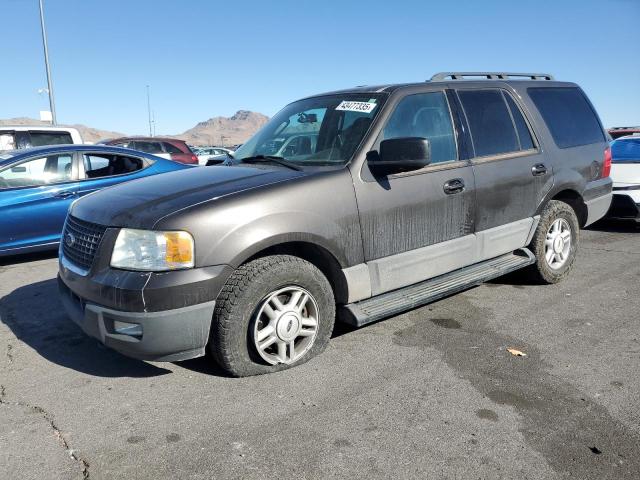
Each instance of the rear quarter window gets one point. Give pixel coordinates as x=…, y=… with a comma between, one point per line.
x=568, y=115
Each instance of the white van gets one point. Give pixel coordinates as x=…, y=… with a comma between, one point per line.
x=14, y=137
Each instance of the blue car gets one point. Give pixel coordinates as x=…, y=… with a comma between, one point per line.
x=37, y=185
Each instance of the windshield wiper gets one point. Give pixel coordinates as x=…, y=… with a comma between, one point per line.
x=271, y=159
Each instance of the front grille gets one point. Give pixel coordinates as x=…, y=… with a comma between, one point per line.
x=80, y=241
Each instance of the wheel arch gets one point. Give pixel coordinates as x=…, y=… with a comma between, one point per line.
x=572, y=198
x=312, y=252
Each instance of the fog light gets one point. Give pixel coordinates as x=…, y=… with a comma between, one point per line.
x=125, y=328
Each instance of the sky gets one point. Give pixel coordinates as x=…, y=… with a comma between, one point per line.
x=208, y=58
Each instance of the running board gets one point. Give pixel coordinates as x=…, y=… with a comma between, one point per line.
x=391, y=303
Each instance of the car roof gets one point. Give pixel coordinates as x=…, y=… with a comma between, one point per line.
x=150, y=139
x=12, y=156
x=391, y=87
x=42, y=128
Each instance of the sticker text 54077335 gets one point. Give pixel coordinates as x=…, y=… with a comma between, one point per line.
x=364, y=107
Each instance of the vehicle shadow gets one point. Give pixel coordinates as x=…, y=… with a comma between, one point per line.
x=27, y=257
x=36, y=317
x=207, y=365
x=615, y=226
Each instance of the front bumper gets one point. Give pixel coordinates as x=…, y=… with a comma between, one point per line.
x=169, y=313
x=168, y=335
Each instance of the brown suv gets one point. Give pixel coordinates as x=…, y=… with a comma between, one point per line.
x=170, y=148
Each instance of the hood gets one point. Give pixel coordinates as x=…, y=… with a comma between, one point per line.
x=141, y=203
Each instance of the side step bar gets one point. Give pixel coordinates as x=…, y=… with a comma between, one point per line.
x=391, y=303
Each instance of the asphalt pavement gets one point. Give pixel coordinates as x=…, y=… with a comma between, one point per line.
x=432, y=393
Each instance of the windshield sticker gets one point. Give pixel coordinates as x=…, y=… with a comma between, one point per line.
x=364, y=107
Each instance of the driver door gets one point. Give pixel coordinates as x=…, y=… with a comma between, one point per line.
x=418, y=224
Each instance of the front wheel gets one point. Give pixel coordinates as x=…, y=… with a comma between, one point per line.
x=273, y=313
x=555, y=242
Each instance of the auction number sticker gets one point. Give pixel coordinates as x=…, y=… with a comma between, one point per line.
x=364, y=107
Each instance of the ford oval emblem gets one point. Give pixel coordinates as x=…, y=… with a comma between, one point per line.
x=69, y=239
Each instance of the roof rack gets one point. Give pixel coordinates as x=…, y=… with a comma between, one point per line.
x=489, y=76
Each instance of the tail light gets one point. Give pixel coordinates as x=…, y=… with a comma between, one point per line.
x=194, y=159
x=606, y=166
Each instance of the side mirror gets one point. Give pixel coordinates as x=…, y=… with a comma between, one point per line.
x=399, y=155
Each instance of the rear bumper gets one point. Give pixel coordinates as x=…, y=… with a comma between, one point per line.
x=597, y=198
x=623, y=206
x=168, y=335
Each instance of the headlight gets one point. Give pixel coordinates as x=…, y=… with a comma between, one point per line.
x=152, y=251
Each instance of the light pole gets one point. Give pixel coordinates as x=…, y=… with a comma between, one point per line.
x=52, y=104
x=149, y=111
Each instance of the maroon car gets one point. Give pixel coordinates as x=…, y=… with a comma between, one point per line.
x=170, y=148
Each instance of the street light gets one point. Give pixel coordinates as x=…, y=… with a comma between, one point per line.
x=149, y=112
x=52, y=104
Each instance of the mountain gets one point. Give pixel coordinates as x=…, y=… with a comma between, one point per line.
x=235, y=129
x=89, y=134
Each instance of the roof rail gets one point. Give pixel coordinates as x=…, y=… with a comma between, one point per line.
x=438, y=77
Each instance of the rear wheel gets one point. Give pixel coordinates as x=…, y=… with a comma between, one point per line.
x=555, y=242
x=273, y=313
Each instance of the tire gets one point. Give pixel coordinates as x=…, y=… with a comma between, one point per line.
x=242, y=310
x=556, y=213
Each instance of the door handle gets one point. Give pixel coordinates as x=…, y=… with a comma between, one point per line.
x=66, y=194
x=455, y=185
x=538, y=169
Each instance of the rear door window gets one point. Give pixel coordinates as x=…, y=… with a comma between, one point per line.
x=569, y=116
x=98, y=165
x=492, y=129
x=425, y=115
x=524, y=134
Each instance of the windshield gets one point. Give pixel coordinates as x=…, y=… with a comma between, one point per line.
x=316, y=131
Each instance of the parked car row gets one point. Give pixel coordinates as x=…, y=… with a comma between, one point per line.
x=212, y=155
x=164, y=147
x=37, y=186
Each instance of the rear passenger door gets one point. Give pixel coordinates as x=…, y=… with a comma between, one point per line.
x=417, y=224
x=511, y=174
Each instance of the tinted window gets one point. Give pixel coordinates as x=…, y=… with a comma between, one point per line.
x=148, y=147
x=626, y=150
x=39, y=139
x=39, y=171
x=425, y=115
x=169, y=148
x=489, y=121
x=568, y=115
x=98, y=165
x=524, y=135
